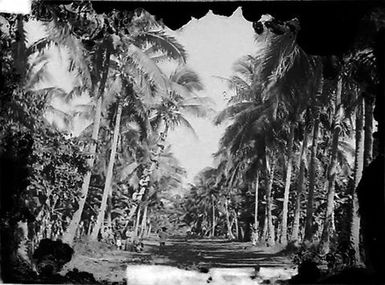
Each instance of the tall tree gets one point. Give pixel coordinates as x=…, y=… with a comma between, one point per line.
x=108, y=183
x=368, y=128
x=312, y=177
x=71, y=230
x=300, y=186
x=287, y=186
x=332, y=167
x=256, y=187
x=170, y=112
x=270, y=168
x=358, y=168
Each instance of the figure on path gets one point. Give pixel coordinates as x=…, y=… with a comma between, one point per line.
x=162, y=237
x=91, y=225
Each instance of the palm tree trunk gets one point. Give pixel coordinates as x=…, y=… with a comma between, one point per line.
x=149, y=230
x=71, y=230
x=368, y=140
x=331, y=176
x=270, y=227
x=109, y=210
x=312, y=175
x=229, y=233
x=300, y=187
x=107, y=185
x=145, y=178
x=358, y=168
x=264, y=230
x=256, y=203
x=236, y=225
x=136, y=230
x=213, y=207
x=69, y=235
x=144, y=222
x=287, y=187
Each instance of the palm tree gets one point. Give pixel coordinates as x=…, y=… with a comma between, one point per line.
x=331, y=175
x=105, y=50
x=360, y=68
x=358, y=168
x=300, y=186
x=91, y=64
x=256, y=204
x=170, y=113
x=208, y=197
x=321, y=99
x=126, y=70
x=270, y=168
x=287, y=186
x=111, y=161
x=279, y=80
x=60, y=34
x=166, y=180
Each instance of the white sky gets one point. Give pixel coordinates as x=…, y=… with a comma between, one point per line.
x=15, y=6
x=213, y=44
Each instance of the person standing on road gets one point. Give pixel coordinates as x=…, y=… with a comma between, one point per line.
x=162, y=237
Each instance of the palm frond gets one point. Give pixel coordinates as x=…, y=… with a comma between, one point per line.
x=75, y=92
x=127, y=170
x=40, y=46
x=67, y=118
x=231, y=111
x=37, y=76
x=187, y=78
x=146, y=65
x=60, y=35
x=245, y=66
x=164, y=43
x=197, y=110
x=238, y=83
x=185, y=123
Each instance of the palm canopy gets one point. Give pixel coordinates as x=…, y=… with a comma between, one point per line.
x=273, y=87
x=285, y=72
x=181, y=100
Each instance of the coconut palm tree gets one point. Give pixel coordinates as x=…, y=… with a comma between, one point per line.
x=145, y=29
x=131, y=56
x=331, y=174
x=358, y=168
x=300, y=185
x=360, y=68
x=91, y=64
x=60, y=35
x=170, y=112
x=287, y=74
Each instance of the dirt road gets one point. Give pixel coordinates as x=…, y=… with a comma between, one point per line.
x=111, y=264
x=219, y=253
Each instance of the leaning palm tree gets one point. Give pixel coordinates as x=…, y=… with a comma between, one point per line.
x=103, y=52
x=289, y=71
x=181, y=100
x=59, y=34
x=126, y=69
x=358, y=169
x=209, y=196
x=360, y=69
x=284, y=80
x=89, y=42
x=332, y=168
x=252, y=124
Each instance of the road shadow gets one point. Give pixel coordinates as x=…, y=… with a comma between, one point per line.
x=216, y=253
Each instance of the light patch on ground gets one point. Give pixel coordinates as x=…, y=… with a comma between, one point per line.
x=161, y=274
